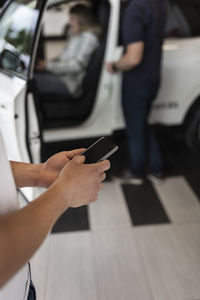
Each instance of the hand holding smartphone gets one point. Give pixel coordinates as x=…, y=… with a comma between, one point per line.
x=100, y=150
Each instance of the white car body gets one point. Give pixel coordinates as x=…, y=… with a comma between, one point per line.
x=180, y=81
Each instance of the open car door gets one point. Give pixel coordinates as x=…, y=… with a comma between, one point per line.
x=19, y=23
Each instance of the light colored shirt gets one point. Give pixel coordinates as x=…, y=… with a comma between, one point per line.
x=72, y=64
x=17, y=288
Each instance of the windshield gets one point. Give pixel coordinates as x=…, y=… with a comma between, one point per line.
x=17, y=29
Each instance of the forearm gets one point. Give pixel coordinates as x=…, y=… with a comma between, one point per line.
x=22, y=232
x=132, y=57
x=72, y=66
x=125, y=64
x=57, y=67
x=25, y=174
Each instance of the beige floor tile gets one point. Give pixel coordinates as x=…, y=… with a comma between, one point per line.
x=171, y=258
x=179, y=200
x=110, y=211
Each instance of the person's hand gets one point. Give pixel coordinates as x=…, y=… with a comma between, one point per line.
x=110, y=68
x=40, y=65
x=50, y=170
x=79, y=183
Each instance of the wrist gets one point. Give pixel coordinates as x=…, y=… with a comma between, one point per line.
x=36, y=178
x=54, y=201
x=60, y=195
x=25, y=174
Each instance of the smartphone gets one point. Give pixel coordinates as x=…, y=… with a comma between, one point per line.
x=99, y=151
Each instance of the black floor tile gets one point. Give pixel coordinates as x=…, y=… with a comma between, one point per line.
x=184, y=161
x=144, y=205
x=74, y=219
x=194, y=182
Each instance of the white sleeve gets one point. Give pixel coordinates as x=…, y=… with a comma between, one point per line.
x=79, y=57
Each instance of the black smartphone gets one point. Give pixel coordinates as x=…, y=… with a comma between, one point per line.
x=99, y=151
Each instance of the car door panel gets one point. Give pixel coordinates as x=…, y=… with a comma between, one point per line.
x=10, y=92
x=180, y=81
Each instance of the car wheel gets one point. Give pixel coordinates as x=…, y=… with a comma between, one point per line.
x=192, y=133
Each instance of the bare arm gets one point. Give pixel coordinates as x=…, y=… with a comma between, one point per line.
x=131, y=58
x=24, y=230
x=25, y=174
x=43, y=174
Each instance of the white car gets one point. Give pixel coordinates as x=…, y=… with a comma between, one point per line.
x=31, y=128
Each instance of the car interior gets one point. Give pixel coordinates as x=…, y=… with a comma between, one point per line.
x=183, y=18
x=54, y=111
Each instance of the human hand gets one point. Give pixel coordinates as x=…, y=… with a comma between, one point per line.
x=110, y=68
x=79, y=183
x=40, y=65
x=50, y=170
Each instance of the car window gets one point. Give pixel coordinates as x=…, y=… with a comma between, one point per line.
x=58, y=15
x=17, y=29
x=183, y=18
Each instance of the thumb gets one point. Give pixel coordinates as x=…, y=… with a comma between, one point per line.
x=79, y=159
x=73, y=153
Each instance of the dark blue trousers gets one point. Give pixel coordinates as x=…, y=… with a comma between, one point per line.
x=144, y=148
x=48, y=83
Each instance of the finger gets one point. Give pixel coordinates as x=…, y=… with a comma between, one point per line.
x=60, y=158
x=103, y=165
x=96, y=197
x=79, y=159
x=93, y=198
x=102, y=176
x=71, y=154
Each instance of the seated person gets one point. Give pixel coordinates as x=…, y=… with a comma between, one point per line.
x=67, y=72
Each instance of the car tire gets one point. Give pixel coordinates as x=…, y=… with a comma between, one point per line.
x=192, y=132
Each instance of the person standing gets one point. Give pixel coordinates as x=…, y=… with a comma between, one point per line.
x=143, y=30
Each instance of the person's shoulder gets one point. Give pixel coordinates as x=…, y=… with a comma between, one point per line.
x=139, y=7
x=89, y=35
x=137, y=3
x=145, y=5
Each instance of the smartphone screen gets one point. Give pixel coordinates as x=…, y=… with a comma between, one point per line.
x=99, y=151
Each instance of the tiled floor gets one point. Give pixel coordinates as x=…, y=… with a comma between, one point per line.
x=134, y=243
